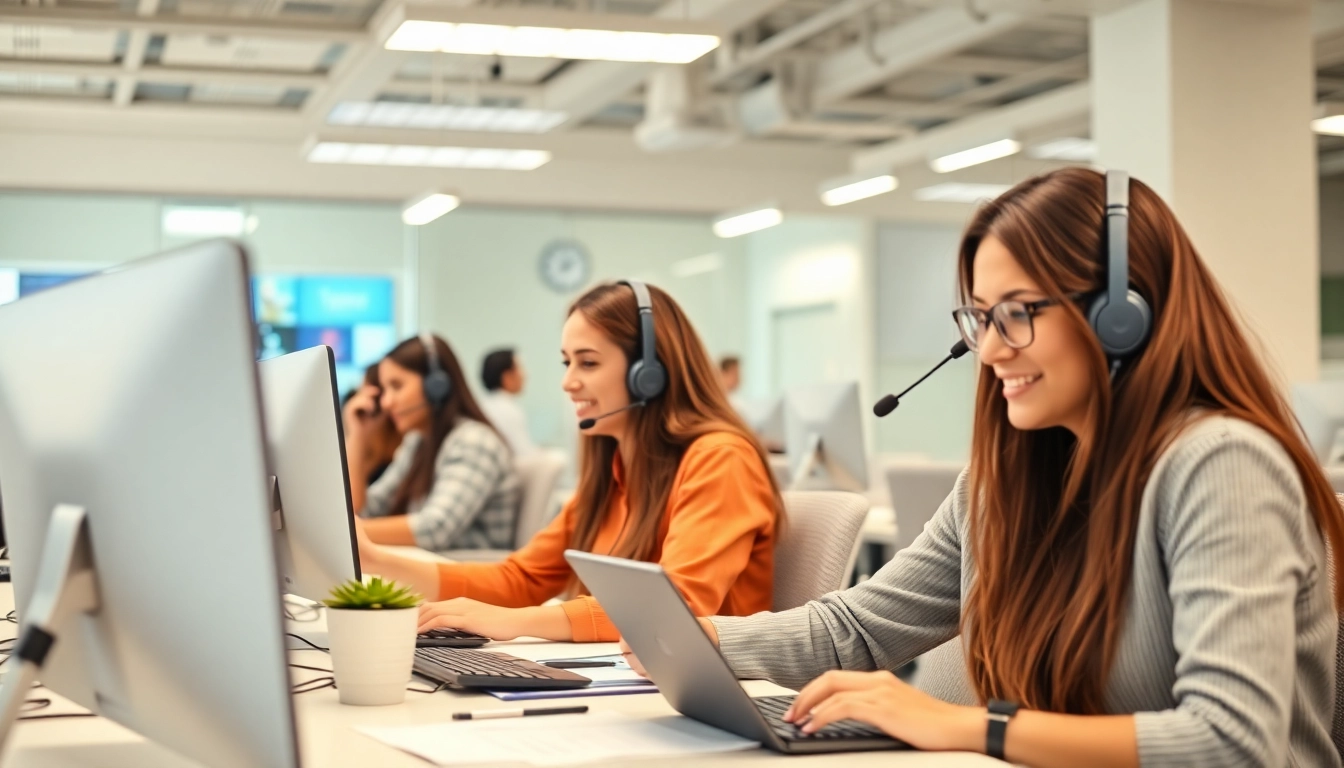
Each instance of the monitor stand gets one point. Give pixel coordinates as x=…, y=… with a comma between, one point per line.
x=812, y=451
x=65, y=585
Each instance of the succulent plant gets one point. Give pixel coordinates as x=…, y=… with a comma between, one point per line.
x=373, y=596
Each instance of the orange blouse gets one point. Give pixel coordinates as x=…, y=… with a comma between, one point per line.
x=717, y=543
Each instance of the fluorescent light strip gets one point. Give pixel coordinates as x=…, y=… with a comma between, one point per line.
x=975, y=156
x=428, y=156
x=201, y=221
x=427, y=208
x=859, y=190
x=1069, y=148
x=744, y=223
x=1333, y=125
x=393, y=114
x=550, y=42
x=955, y=192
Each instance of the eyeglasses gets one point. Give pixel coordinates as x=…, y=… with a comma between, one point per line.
x=1012, y=319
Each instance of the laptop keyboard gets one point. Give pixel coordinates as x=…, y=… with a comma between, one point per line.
x=774, y=707
x=485, y=669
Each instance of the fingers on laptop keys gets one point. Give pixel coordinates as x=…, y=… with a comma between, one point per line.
x=828, y=685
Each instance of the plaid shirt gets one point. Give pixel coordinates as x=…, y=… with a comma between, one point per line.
x=473, y=503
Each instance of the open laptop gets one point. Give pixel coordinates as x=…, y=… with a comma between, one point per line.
x=689, y=670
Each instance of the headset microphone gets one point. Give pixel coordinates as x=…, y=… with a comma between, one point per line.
x=888, y=404
x=589, y=423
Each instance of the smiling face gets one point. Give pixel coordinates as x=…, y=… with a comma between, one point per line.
x=595, y=369
x=403, y=398
x=1049, y=383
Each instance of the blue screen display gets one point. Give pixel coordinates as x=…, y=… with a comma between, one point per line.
x=32, y=282
x=354, y=315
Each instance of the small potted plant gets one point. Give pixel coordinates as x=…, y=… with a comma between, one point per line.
x=371, y=630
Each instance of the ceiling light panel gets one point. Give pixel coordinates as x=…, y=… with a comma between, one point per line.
x=414, y=155
x=975, y=155
x=63, y=43
x=427, y=208
x=741, y=223
x=954, y=192
x=854, y=188
x=535, y=32
x=449, y=117
x=243, y=53
x=1333, y=125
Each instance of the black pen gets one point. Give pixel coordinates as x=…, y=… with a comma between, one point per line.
x=577, y=664
x=492, y=714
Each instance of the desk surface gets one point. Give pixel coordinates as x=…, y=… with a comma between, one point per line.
x=328, y=739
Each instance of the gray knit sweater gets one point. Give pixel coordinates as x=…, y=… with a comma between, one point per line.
x=1227, y=656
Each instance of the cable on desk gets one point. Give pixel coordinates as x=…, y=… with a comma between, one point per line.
x=316, y=684
x=309, y=686
x=315, y=609
x=33, y=705
x=307, y=642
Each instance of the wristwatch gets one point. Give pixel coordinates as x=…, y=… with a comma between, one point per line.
x=1000, y=712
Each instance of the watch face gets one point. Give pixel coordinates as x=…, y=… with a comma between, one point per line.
x=564, y=265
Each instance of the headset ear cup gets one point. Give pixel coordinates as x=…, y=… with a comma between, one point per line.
x=437, y=388
x=646, y=382
x=652, y=380
x=1123, y=329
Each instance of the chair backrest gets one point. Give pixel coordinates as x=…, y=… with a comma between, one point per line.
x=539, y=473
x=820, y=541
x=917, y=490
x=1337, y=723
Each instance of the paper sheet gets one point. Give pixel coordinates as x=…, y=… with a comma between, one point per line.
x=558, y=740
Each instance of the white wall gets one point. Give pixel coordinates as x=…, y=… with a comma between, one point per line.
x=812, y=262
x=481, y=288
x=916, y=278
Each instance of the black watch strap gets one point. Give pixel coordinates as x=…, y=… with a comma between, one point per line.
x=1000, y=712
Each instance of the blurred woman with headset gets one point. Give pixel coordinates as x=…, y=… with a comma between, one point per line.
x=451, y=483
x=1135, y=559
x=668, y=473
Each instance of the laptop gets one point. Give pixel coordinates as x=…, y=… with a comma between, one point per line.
x=689, y=670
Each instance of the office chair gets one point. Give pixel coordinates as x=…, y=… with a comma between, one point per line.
x=820, y=543
x=917, y=490
x=539, y=474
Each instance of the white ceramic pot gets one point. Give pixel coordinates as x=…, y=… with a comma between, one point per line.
x=371, y=653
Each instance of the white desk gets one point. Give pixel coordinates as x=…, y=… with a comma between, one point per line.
x=328, y=739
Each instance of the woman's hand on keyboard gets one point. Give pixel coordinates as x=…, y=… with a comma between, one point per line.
x=547, y=622
x=882, y=700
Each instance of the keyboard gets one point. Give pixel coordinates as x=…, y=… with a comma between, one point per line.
x=449, y=638
x=484, y=669
x=774, y=707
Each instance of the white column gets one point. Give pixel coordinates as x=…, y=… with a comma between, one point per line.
x=1210, y=103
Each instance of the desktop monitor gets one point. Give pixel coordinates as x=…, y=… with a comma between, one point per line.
x=133, y=473
x=1319, y=406
x=310, y=491
x=824, y=428
x=766, y=418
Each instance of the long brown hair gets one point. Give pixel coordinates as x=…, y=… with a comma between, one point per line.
x=694, y=404
x=1053, y=517
x=410, y=354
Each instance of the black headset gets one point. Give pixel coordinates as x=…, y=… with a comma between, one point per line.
x=1120, y=317
x=647, y=378
x=438, y=386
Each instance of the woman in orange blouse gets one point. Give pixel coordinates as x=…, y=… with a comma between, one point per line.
x=668, y=474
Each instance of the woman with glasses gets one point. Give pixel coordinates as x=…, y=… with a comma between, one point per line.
x=1135, y=559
